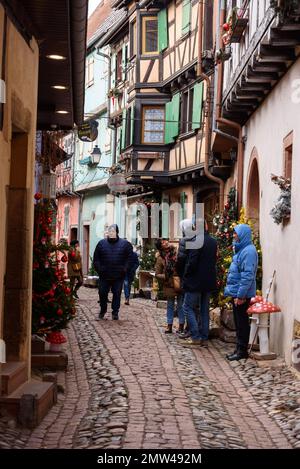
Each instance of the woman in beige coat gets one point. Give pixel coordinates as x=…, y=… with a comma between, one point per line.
x=75, y=267
x=165, y=271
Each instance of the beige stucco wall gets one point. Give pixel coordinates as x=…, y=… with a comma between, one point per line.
x=280, y=245
x=19, y=114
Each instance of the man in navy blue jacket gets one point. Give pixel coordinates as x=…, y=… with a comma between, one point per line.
x=111, y=258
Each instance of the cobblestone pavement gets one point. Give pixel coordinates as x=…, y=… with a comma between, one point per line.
x=129, y=385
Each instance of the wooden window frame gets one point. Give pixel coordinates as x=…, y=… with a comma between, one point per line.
x=90, y=75
x=145, y=108
x=133, y=39
x=187, y=127
x=144, y=21
x=119, y=66
x=287, y=159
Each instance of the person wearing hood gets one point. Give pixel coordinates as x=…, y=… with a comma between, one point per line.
x=199, y=280
x=186, y=227
x=111, y=258
x=241, y=286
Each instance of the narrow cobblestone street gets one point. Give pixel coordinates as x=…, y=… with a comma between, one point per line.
x=129, y=385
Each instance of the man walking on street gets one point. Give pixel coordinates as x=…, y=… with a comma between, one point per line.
x=111, y=259
x=133, y=264
x=241, y=286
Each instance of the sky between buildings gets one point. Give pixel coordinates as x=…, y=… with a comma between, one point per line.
x=92, y=5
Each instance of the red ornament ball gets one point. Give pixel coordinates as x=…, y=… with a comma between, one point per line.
x=64, y=259
x=60, y=312
x=67, y=291
x=226, y=27
x=38, y=196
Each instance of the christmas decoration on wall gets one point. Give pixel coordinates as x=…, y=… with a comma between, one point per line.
x=148, y=258
x=53, y=303
x=282, y=208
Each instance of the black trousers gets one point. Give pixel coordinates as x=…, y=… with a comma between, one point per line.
x=78, y=280
x=242, y=324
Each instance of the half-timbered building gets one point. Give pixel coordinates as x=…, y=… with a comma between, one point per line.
x=164, y=139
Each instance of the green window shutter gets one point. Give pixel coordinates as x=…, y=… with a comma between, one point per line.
x=132, y=125
x=186, y=16
x=175, y=115
x=113, y=70
x=119, y=142
x=124, y=61
x=182, y=203
x=168, y=118
x=162, y=18
x=124, y=119
x=197, y=105
x=172, y=119
x=165, y=216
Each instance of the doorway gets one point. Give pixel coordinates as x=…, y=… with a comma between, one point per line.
x=74, y=233
x=253, y=196
x=86, y=249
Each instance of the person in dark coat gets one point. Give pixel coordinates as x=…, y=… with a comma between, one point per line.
x=133, y=264
x=111, y=258
x=241, y=286
x=186, y=227
x=199, y=280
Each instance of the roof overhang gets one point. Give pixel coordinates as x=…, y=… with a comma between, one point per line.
x=59, y=26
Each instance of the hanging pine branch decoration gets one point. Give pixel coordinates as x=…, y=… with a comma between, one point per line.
x=282, y=208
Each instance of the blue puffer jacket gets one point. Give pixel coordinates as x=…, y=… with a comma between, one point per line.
x=241, y=280
x=111, y=258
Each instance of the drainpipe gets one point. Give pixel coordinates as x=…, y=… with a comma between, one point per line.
x=218, y=106
x=110, y=126
x=201, y=74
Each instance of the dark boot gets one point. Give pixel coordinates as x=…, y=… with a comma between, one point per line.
x=169, y=329
x=238, y=355
x=181, y=328
x=231, y=353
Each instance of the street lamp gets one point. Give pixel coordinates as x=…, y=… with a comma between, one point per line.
x=96, y=155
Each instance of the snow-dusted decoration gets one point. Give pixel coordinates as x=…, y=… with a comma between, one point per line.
x=282, y=208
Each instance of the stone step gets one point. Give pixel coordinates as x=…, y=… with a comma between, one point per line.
x=50, y=360
x=13, y=374
x=30, y=402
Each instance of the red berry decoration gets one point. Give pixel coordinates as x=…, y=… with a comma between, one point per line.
x=38, y=196
x=226, y=27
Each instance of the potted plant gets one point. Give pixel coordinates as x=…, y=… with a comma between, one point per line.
x=114, y=92
x=92, y=279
